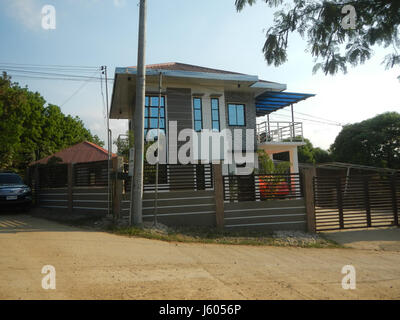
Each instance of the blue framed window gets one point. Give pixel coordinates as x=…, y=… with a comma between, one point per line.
x=197, y=114
x=151, y=114
x=236, y=114
x=215, y=114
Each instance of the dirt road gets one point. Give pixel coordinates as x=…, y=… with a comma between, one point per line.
x=97, y=265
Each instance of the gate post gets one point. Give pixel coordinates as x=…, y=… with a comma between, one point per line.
x=118, y=186
x=308, y=189
x=219, y=195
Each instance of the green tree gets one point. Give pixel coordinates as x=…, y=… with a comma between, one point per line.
x=307, y=154
x=373, y=142
x=332, y=46
x=30, y=130
x=266, y=165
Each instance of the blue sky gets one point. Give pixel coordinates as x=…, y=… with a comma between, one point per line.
x=208, y=33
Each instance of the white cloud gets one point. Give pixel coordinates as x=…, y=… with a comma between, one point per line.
x=119, y=3
x=26, y=12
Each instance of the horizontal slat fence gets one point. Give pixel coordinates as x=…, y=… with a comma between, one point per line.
x=53, y=176
x=175, y=177
x=79, y=187
x=262, y=187
x=177, y=208
x=356, y=202
x=270, y=214
x=90, y=174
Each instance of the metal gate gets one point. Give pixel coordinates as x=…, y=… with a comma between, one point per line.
x=356, y=202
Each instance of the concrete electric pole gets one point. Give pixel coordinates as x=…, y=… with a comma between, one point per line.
x=138, y=123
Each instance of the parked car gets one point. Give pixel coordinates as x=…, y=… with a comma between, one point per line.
x=13, y=192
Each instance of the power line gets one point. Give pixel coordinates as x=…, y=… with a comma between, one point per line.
x=47, y=65
x=76, y=92
x=309, y=115
x=97, y=79
x=310, y=120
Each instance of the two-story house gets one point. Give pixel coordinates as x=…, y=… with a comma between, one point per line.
x=202, y=98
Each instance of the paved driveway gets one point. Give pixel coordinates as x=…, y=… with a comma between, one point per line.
x=97, y=265
x=387, y=239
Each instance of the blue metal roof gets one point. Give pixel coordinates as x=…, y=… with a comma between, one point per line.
x=271, y=101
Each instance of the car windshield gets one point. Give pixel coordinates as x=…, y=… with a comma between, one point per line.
x=9, y=178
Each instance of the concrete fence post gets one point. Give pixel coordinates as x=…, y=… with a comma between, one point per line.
x=219, y=195
x=308, y=188
x=70, y=187
x=118, y=166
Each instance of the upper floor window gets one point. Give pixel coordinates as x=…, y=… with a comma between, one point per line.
x=215, y=114
x=197, y=114
x=151, y=114
x=236, y=114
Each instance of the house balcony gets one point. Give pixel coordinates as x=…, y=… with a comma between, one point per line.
x=280, y=132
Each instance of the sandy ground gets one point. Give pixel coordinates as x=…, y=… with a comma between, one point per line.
x=97, y=265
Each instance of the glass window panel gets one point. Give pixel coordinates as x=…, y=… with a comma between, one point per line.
x=197, y=126
x=146, y=112
x=197, y=114
x=232, y=114
x=162, y=113
x=146, y=101
x=162, y=123
x=153, y=123
x=215, y=115
x=154, y=101
x=240, y=115
x=214, y=104
x=196, y=103
x=215, y=125
x=154, y=112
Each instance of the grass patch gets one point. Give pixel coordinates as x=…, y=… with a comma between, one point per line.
x=215, y=236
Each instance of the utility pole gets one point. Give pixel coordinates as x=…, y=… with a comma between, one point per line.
x=138, y=123
x=158, y=148
x=109, y=142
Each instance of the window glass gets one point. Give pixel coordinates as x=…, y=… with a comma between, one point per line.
x=197, y=114
x=151, y=114
x=215, y=114
x=236, y=115
x=215, y=125
x=197, y=126
x=232, y=115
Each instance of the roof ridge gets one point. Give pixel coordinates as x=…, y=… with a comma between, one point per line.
x=171, y=64
x=92, y=144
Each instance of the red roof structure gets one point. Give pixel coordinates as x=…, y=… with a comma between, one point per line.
x=82, y=152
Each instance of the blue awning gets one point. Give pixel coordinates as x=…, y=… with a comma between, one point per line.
x=271, y=101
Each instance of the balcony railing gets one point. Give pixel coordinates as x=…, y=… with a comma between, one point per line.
x=280, y=132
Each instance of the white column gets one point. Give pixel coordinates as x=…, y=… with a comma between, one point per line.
x=294, y=162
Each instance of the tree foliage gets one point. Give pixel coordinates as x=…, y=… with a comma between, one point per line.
x=373, y=142
x=307, y=154
x=332, y=46
x=30, y=130
x=267, y=166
